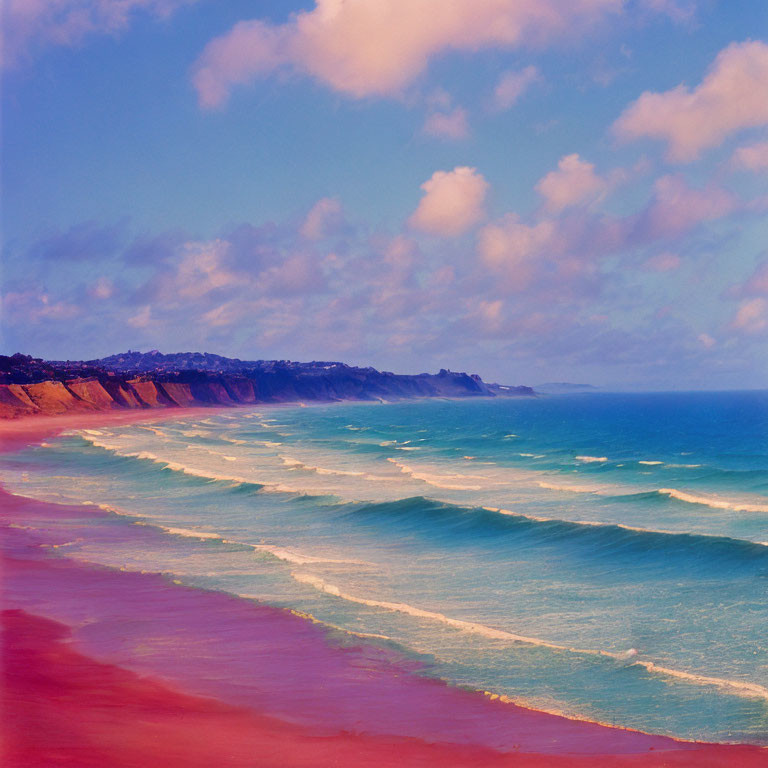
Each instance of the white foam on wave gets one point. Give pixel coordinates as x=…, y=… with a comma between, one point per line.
x=154, y=430
x=591, y=459
x=684, y=466
x=299, y=558
x=569, y=488
x=190, y=534
x=736, y=686
x=715, y=503
x=289, y=461
x=447, y=482
x=650, y=463
x=281, y=553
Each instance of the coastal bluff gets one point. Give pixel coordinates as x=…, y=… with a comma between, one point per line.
x=135, y=380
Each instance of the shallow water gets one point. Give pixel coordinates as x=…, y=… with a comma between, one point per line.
x=603, y=555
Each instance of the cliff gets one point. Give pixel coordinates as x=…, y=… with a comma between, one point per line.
x=30, y=386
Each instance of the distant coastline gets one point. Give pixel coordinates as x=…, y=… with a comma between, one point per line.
x=134, y=381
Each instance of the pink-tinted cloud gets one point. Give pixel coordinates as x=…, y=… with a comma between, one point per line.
x=676, y=207
x=34, y=306
x=513, y=249
x=447, y=125
x=453, y=202
x=561, y=254
x=323, y=219
x=201, y=270
x=730, y=98
x=753, y=157
x=512, y=85
x=142, y=318
x=378, y=47
x=751, y=317
x=756, y=284
x=706, y=341
x=298, y=274
x=574, y=182
x=103, y=288
x=30, y=25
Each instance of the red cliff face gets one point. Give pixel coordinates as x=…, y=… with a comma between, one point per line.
x=55, y=397
x=149, y=395
x=14, y=402
x=241, y=389
x=91, y=391
x=123, y=395
x=180, y=394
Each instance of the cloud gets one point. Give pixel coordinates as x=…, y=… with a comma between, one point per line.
x=453, y=202
x=751, y=317
x=727, y=100
x=512, y=85
x=298, y=274
x=32, y=306
x=676, y=207
x=706, y=340
x=755, y=285
x=574, y=182
x=561, y=254
x=30, y=25
x=377, y=48
x=447, y=125
x=142, y=318
x=323, y=219
x=753, y=157
x=511, y=248
x=103, y=288
x=201, y=271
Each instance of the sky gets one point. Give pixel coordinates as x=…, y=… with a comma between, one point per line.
x=531, y=190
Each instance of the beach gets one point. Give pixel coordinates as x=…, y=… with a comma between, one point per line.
x=115, y=667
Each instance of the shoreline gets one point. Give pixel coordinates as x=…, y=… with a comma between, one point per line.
x=16, y=434
x=481, y=721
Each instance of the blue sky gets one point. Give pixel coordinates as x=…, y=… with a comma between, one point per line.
x=527, y=190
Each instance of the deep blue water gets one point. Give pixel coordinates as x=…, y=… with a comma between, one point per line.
x=600, y=555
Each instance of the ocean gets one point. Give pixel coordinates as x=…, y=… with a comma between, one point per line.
x=603, y=556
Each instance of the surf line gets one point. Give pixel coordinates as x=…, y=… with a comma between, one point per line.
x=739, y=688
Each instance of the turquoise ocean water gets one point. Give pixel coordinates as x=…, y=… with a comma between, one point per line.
x=603, y=556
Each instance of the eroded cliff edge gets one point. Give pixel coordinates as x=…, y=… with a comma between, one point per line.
x=31, y=386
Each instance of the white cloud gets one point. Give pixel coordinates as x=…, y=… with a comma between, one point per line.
x=378, y=47
x=574, y=182
x=453, y=202
x=730, y=98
